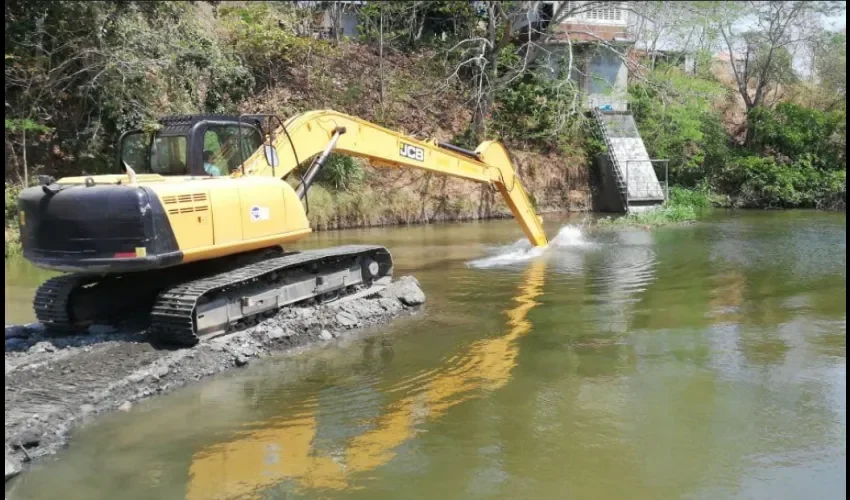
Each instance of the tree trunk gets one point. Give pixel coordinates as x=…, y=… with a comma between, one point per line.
x=749, y=137
x=486, y=97
x=336, y=21
x=24, y=151
x=381, y=59
x=479, y=121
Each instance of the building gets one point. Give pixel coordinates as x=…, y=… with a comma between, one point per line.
x=592, y=41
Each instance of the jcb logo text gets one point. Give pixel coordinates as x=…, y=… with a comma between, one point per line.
x=412, y=152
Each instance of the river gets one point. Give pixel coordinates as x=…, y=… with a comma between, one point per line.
x=698, y=361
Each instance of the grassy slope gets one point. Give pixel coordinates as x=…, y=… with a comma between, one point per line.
x=683, y=206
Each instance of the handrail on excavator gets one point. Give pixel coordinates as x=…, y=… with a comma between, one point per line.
x=309, y=134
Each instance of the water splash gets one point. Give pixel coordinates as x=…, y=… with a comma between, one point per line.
x=569, y=236
x=512, y=257
x=522, y=251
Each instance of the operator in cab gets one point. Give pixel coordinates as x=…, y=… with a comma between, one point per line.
x=209, y=166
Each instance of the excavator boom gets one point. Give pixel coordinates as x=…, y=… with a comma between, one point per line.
x=307, y=135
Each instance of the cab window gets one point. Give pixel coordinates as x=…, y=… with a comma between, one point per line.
x=168, y=155
x=134, y=151
x=221, y=147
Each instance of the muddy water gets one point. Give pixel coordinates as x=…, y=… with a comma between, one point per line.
x=706, y=361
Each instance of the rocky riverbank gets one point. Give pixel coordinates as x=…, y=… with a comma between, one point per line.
x=54, y=383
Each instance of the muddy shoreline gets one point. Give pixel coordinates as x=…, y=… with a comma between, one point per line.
x=55, y=383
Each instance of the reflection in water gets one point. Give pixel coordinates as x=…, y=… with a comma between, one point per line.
x=627, y=271
x=264, y=457
x=727, y=297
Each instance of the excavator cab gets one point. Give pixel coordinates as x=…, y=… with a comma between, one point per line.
x=196, y=145
x=110, y=223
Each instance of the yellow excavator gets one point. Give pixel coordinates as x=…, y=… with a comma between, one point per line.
x=193, y=229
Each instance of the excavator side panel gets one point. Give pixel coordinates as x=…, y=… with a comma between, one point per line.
x=262, y=211
x=227, y=221
x=216, y=217
x=187, y=206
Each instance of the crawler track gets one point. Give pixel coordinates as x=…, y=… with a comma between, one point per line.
x=244, y=295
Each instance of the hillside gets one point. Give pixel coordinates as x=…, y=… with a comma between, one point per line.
x=418, y=102
x=175, y=58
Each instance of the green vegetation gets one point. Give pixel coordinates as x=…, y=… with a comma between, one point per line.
x=795, y=157
x=684, y=205
x=678, y=120
x=341, y=173
x=698, y=199
x=12, y=241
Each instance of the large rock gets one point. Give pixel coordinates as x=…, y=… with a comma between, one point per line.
x=408, y=291
x=42, y=347
x=13, y=345
x=13, y=467
x=35, y=328
x=347, y=320
x=278, y=332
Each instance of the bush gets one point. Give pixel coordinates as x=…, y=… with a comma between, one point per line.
x=670, y=214
x=696, y=198
x=677, y=121
x=12, y=191
x=12, y=244
x=341, y=173
x=12, y=236
x=537, y=110
x=263, y=35
x=755, y=181
x=682, y=206
x=793, y=132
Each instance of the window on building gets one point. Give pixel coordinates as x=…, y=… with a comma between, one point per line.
x=547, y=11
x=609, y=11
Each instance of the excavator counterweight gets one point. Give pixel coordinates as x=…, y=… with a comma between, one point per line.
x=193, y=232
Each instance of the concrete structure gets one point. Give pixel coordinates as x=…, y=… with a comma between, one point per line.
x=596, y=37
x=594, y=41
x=628, y=180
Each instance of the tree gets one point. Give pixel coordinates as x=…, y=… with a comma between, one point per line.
x=829, y=68
x=21, y=126
x=677, y=27
x=762, y=37
x=90, y=70
x=508, y=43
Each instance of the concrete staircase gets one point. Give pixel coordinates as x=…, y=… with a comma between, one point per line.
x=627, y=165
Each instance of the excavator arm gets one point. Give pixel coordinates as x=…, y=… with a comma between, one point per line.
x=309, y=134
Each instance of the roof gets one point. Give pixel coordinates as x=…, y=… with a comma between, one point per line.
x=181, y=124
x=184, y=120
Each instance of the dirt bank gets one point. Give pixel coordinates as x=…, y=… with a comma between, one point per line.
x=54, y=383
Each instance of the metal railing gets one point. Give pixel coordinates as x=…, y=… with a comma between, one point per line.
x=622, y=183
